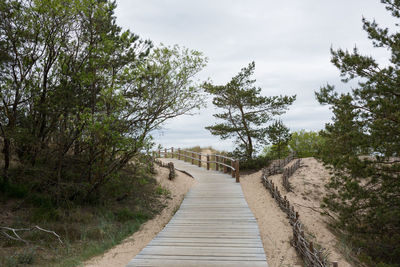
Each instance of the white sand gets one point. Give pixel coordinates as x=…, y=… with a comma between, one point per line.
x=308, y=184
x=276, y=233
x=121, y=254
x=273, y=224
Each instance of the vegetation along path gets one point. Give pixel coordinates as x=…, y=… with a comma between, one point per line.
x=213, y=227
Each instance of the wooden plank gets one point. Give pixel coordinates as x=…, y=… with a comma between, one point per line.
x=213, y=227
x=197, y=263
x=203, y=251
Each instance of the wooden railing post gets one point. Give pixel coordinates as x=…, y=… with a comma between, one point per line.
x=216, y=163
x=165, y=151
x=237, y=171
x=208, y=162
x=225, y=168
x=232, y=169
x=159, y=153
x=199, y=160
x=179, y=153
x=172, y=152
x=192, y=158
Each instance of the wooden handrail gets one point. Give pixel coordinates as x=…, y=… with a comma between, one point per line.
x=219, y=160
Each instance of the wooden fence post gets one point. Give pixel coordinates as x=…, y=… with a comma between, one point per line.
x=165, y=151
x=225, y=168
x=172, y=152
x=237, y=171
x=199, y=160
x=232, y=169
x=208, y=162
x=216, y=163
x=192, y=158
x=179, y=153
x=159, y=153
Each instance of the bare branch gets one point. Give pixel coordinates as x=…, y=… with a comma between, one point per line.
x=18, y=238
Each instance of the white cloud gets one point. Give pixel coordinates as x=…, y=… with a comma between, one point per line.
x=289, y=41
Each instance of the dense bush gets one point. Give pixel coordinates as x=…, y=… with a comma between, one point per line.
x=79, y=97
x=306, y=143
x=256, y=163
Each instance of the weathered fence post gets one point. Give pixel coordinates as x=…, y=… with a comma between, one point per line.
x=216, y=163
x=208, y=162
x=225, y=168
x=165, y=153
x=172, y=152
x=295, y=237
x=233, y=168
x=200, y=160
x=237, y=171
x=179, y=153
x=272, y=189
x=192, y=158
x=159, y=153
x=171, y=171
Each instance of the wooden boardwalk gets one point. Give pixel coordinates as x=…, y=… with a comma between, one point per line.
x=213, y=227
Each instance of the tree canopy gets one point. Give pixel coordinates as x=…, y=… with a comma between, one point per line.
x=306, y=143
x=363, y=145
x=245, y=111
x=79, y=96
x=279, y=136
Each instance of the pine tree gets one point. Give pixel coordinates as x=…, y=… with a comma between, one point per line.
x=246, y=112
x=279, y=135
x=363, y=145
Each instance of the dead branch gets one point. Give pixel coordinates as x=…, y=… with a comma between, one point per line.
x=16, y=237
x=321, y=211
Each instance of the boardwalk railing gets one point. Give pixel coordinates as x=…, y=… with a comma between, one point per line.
x=220, y=162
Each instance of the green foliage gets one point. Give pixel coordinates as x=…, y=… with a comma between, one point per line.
x=162, y=191
x=306, y=144
x=80, y=97
x=26, y=257
x=274, y=152
x=279, y=136
x=256, y=163
x=14, y=190
x=245, y=111
x=362, y=145
x=86, y=230
x=124, y=215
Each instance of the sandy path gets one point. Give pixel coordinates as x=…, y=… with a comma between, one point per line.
x=308, y=184
x=121, y=254
x=274, y=227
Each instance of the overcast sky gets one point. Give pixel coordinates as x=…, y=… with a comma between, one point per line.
x=289, y=41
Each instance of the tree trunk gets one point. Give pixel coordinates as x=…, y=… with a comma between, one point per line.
x=250, y=148
x=6, y=152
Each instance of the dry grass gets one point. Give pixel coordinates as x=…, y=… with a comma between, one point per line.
x=85, y=230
